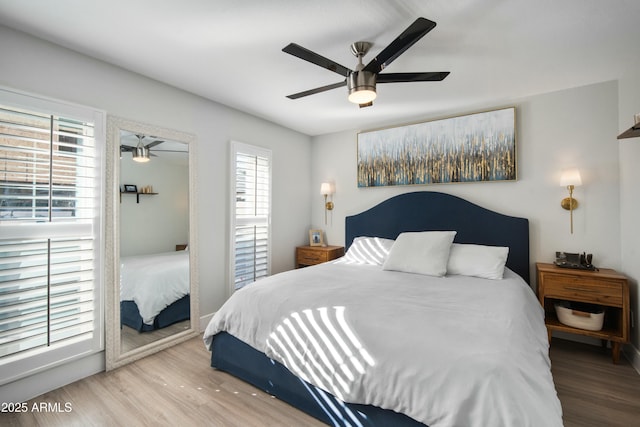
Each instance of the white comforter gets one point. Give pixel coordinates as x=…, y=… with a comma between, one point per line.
x=452, y=351
x=154, y=281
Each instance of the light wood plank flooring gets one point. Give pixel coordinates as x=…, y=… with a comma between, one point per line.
x=177, y=387
x=132, y=339
x=593, y=391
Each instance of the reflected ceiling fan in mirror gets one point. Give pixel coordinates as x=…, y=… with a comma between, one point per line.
x=361, y=82
x=140, y=152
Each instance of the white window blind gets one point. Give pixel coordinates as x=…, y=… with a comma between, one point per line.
x=50, y=230
x=251, y=213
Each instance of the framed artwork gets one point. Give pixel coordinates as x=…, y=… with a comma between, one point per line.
x=476, y=147
x=130, y=188
x=315, y=238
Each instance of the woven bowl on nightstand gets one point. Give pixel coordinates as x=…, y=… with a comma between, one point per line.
x=589, y=317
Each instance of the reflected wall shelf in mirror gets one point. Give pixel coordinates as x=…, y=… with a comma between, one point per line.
x=150, y=246
x=633, y=131
x=131, y=193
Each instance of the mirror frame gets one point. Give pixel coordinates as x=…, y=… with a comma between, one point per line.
x=114, y=356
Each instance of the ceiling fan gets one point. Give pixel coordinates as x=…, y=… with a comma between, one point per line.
x=141, y=152
x=361, y=82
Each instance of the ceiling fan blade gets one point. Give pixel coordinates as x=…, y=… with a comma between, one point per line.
x=170, y=151
x=314, y=58
x=153, y=144
x=404, y=41
x=317, y=90
x=412, y=77
x=126, y=148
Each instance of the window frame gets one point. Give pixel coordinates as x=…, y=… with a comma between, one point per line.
x=42, y=359
x=252, y=150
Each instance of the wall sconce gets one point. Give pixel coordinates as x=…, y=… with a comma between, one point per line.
x=570, y=178
x=326, y=189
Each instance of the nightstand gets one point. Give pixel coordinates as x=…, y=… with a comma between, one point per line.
x=605, y=287
x=312, y=255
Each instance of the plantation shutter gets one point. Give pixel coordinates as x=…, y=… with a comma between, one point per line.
x=251, y=213
x=50, y=198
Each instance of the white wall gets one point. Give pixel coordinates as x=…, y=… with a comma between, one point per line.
x=39, y=67
x=629, y=104
x=160, y=221
x=575, y=127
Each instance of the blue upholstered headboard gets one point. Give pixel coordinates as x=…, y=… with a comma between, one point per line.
x=430, y=211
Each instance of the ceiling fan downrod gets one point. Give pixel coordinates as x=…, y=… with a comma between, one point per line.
x=361, y=84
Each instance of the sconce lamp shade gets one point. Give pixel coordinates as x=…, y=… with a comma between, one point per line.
x=326, y=188
x=570, y=177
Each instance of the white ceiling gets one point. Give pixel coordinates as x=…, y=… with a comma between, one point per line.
x=230, y=51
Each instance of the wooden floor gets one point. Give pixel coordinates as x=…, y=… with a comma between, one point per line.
x=177, y=387
x=131, y=339
x=593, y=391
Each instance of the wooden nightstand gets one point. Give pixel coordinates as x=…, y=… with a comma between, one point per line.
x=605, y=287
x=312, y=255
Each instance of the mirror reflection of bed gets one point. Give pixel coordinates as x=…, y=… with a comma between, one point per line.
x=154, y=297
x=154, y=235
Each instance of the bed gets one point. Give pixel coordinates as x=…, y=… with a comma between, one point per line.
x=154, y=290
x=366, y=341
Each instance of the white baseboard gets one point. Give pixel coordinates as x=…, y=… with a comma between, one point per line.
x=204, y=321
x=37, y=384
x=633, y=355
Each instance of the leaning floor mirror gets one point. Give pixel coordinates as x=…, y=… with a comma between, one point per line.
x=151, y=247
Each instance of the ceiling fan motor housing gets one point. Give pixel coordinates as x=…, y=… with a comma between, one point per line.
x=359, y=81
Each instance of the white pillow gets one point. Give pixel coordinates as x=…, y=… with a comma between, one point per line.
x=368, y=250
x=424, y=252
x=477, y=260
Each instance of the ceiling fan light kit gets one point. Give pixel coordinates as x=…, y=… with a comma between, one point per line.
x=361, y=82
x=140, y=154
x=362, y=87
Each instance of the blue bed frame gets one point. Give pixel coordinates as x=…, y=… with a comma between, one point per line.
x=432, y=211
x=175, y=312
x=416, y=211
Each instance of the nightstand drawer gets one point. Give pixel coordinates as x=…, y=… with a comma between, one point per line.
x=310, y=257
x=585, y=289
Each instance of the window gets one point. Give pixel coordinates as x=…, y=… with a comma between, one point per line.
x=50, y=232
x=250, y=213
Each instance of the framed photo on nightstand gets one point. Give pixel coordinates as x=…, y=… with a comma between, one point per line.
x=315, y=238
